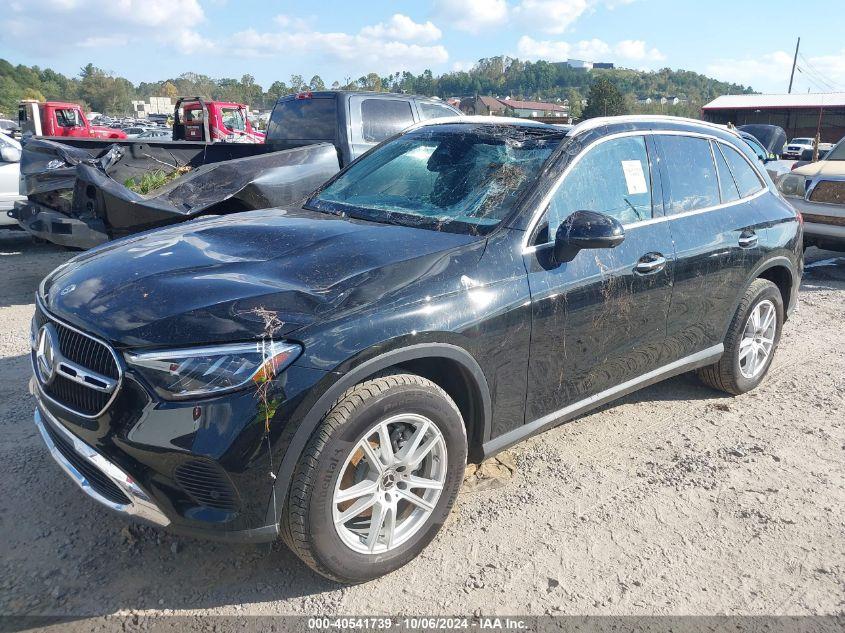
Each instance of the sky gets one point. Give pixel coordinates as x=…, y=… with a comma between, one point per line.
x=150, y=40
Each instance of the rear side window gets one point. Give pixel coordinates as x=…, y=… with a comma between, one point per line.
x=433, y=110
x=312, y=119
x=692, y=174
x=727, y=186
x=381, y=118
x=746, y=178
x=612, y=178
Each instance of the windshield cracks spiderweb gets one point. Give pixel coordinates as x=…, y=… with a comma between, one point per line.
x=459, y=178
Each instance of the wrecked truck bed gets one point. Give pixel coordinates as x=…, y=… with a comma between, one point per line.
x=77, y=195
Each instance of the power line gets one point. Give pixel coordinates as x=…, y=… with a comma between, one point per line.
x=809, y=67
x=815, y=81
x=812, y=80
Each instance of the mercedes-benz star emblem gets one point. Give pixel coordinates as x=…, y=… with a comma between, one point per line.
x=45, y=353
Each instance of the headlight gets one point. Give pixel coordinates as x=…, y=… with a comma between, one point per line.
x=792, y=185
x=208, y=371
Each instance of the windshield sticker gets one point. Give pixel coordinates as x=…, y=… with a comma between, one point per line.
x=634, y=176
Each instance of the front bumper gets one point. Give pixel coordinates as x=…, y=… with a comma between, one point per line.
x=131, y=459
x=91, y=471
x=824, y=224
x=53, y=226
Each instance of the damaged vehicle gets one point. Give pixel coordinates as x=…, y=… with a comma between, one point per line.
x=324, y=372
x=817, y=191
x=82, y=192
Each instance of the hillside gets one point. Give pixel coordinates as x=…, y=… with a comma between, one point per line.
x=106, y=92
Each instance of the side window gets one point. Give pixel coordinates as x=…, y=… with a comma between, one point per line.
x=692, y=174
x=746, y=178
x=612, y=178
x=727, y=186
x=382, y=118
x=433, y=110
x=67, y=118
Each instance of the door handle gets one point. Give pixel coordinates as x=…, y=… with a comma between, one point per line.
x=651, y=263
x=748, y=239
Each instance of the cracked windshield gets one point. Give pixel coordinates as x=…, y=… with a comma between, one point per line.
x=471, y=179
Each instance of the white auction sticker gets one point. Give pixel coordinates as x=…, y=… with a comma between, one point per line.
x=634, y=176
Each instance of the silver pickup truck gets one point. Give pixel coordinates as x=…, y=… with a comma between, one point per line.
x=817, y=190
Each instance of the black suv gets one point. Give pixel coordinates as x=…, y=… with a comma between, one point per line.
x=324, y=373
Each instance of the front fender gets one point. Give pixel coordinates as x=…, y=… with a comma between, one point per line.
x=356, y=370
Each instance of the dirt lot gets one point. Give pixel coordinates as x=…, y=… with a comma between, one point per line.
x=676, y=500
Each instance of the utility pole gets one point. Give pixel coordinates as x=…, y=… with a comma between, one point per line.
x=794, y=64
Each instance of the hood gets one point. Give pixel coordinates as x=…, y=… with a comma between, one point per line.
x=821, y=168
x=212, y=281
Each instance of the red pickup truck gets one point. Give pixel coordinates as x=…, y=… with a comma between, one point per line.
x=213, y=121
x=56, y=118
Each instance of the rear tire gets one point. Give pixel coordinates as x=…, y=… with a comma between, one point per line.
x=749, y=346
x=346, y=451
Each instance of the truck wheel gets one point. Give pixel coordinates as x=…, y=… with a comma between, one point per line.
x=751, y=341
x=377, y=479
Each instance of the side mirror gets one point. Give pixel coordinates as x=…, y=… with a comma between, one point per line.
x=586, y=229
x=10, y=154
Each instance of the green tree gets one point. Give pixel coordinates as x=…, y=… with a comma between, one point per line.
x=574, y=97
x=297, y=83
x=604, y=99
x=316, y=83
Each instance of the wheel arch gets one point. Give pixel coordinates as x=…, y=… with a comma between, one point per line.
x=780, y=275
x=449, y=366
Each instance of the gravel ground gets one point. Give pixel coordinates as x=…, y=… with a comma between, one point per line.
x=675, y=500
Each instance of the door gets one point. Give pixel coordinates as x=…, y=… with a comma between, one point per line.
x=375, y=119
x=599, y=319
x=716, y=230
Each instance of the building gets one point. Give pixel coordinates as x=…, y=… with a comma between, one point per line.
x=157, y=105
x=579, y=63
x=493, y=106
x=603, y=65
x=533, y=109
x=486, y=106
x=800, y=115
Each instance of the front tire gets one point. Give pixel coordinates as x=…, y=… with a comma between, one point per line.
x=377, y=479
x=751, y=341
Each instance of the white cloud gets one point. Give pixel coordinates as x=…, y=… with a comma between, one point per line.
x=472, y=16
x=368, y=52
x=401, y=27
x=39, y=25
x=636, y=50
x=529, y=48
x=823, y=73
x=547, y=16
x=550, y=16
x=459, y=66
x=593, y=50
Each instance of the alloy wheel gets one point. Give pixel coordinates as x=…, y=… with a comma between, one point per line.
x=758, y=339
x=389, y=484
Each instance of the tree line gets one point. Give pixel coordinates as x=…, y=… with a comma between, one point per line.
x=103, y=91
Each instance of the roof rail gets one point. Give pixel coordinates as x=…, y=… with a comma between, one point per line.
x=589, y=124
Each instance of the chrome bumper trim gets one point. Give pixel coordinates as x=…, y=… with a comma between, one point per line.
x=140, y=504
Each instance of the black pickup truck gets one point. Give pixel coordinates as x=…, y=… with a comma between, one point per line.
x=83, y=192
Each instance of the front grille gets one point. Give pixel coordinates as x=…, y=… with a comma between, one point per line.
x=206, y=484
x=88, y=353
x=97, y=479
x=829, y=191
x=77, y=397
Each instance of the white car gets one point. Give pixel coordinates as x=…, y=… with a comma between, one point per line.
x=796, y=147
x=10, y=172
